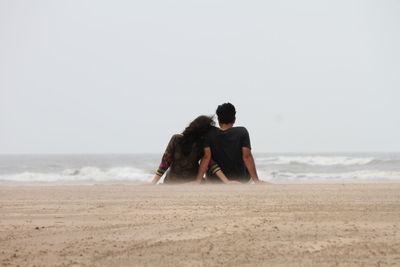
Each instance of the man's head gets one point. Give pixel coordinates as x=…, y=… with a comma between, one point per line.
x=226, y=113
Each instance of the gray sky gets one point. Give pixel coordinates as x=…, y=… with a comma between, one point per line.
x=122, y=76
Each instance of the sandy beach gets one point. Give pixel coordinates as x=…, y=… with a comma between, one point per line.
x=249, y=225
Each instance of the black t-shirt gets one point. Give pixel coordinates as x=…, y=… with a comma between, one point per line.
x=226, y=149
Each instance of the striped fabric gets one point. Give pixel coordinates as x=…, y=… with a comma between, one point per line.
x=164, y=165
x=213, y=167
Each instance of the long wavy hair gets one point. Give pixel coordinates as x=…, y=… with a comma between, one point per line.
x=194, y=132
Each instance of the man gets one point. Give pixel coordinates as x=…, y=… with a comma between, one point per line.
x=230, y=147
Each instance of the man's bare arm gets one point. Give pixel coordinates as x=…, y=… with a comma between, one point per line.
x=250, y=164
x=203, y=164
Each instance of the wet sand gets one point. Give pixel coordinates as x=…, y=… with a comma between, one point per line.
x=249, y=225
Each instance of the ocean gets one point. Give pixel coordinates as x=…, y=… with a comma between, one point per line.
x=138, y=168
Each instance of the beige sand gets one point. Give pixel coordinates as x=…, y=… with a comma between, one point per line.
x=277, y=225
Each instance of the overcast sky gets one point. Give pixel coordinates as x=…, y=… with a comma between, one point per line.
x=122, y=76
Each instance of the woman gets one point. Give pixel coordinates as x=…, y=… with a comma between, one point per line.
x=184, y=152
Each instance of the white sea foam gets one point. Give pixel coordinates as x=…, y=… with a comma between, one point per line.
x=131, y=175
x=361, y=175
x=316, y=160
x=86, y=174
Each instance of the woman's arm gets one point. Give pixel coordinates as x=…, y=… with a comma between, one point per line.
x=224, y=179
x=155, y=180
x=215, y=169
x=166, y=161
x=164, y=166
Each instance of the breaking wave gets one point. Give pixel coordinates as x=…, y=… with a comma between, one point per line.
x=317, y=160
x=82, y=175
x=362, y=175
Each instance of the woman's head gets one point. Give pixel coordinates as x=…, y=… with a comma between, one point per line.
x=194, y=132
x=199, y=126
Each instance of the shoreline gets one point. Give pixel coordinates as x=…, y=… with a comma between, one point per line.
x=124, y=183
x=351, y=224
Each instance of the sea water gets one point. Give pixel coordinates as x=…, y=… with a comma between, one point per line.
x=138, y=168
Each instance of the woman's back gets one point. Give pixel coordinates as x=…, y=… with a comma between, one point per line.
x=184, y=152
x=183, y=161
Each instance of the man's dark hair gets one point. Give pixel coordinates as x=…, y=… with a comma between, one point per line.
x=226, y=113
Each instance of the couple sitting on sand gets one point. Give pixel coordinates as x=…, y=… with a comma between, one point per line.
x=223, y=152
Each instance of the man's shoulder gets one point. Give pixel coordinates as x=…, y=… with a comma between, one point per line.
x=240, y=129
